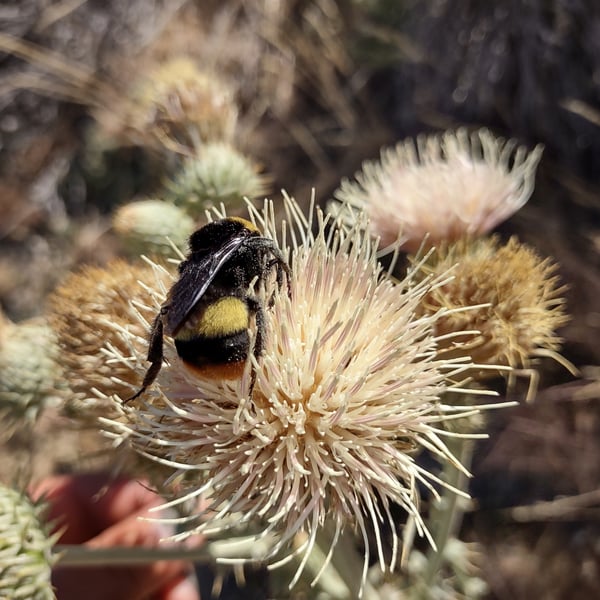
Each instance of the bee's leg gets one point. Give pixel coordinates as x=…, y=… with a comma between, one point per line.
x=260, y=329
x=256, y=307
x=155, y=355
x=282, y=269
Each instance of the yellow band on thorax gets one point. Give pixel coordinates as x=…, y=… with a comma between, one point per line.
x=247, y=224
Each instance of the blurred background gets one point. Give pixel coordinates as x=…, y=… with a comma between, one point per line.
x=319, y=87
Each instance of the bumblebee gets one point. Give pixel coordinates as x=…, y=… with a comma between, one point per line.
x=209, y=309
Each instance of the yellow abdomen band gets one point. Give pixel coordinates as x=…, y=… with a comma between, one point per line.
x=223, y=317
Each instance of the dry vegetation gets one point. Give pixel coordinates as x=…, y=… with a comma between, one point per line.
x=321, y=88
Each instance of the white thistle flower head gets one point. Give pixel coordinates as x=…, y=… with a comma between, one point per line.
x=347, y=387
x=440, y=187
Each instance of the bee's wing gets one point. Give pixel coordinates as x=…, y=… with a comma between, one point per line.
x=194, y=281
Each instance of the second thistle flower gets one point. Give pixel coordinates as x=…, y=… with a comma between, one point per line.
x=442, y=186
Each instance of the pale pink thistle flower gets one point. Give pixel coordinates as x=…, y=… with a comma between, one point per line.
x=440, y=187
x=348, y=386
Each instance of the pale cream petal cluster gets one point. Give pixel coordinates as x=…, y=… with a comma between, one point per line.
x=440, y=187
x=348, y=386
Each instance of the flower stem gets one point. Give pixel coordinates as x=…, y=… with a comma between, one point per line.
x=82, y=556
x=447, y=513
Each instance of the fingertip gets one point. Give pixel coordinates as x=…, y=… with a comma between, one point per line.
x=184, y=589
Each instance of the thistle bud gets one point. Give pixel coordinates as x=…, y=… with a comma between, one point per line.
x=151, y=226
x=28, y=369
x=26, y=555
x=219, y=175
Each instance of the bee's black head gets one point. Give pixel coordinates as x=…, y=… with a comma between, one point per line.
x=214, y=234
